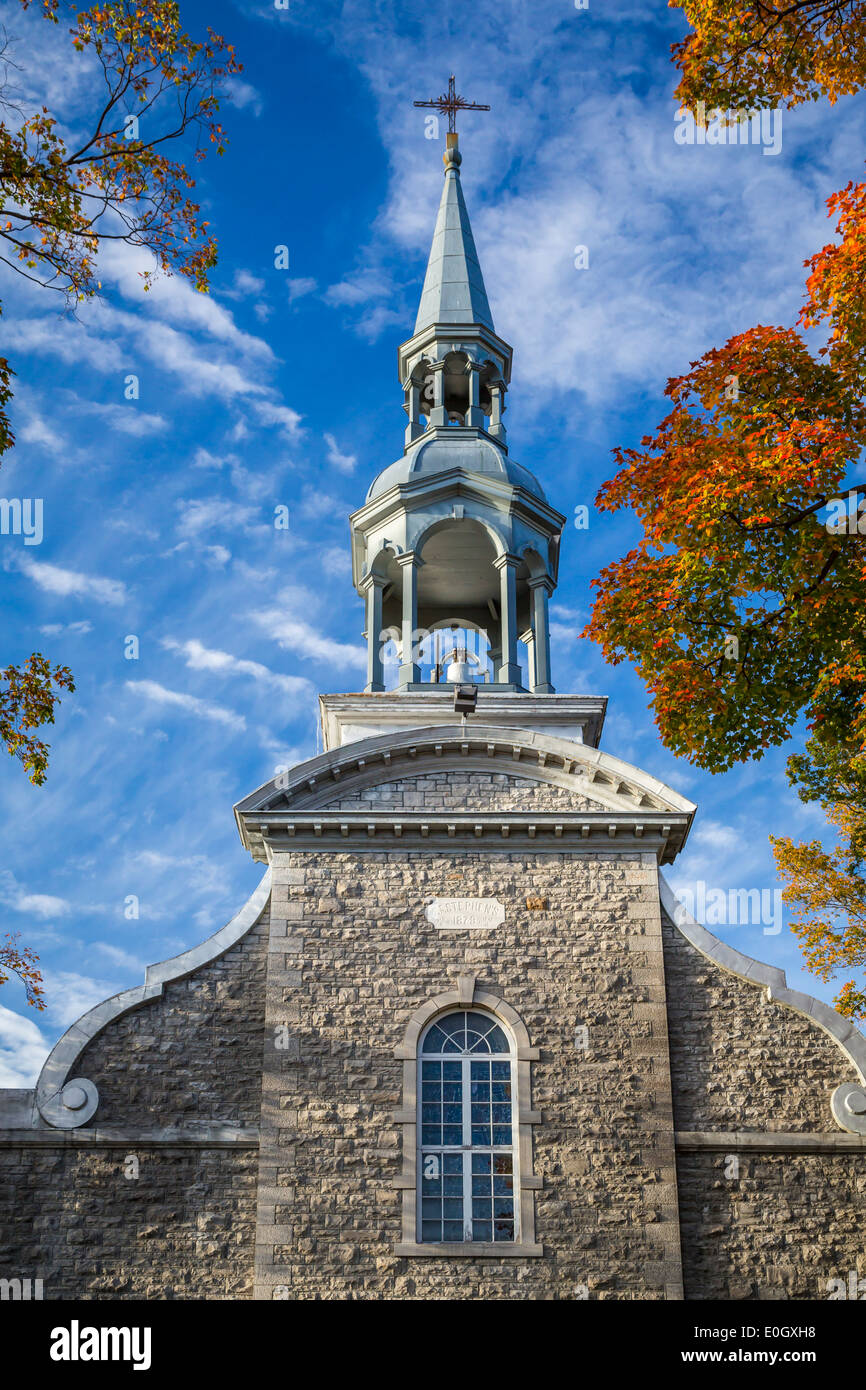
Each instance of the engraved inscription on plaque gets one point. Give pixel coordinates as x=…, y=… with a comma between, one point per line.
x=465, y=914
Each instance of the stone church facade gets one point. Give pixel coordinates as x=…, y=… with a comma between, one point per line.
x=462, y=1041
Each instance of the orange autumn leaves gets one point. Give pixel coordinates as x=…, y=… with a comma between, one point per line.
x=740, y=608
x=736, y=597
x=757, y=54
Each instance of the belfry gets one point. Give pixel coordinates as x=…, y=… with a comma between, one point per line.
x=463, y=1041
x=455, y=537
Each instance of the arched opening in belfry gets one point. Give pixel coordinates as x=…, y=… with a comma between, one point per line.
x=458, y=390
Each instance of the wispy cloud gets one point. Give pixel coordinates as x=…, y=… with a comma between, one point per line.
x=297, y=635
x=201, y=658
x=176, y=699
x=345, y=463
x=73, y=583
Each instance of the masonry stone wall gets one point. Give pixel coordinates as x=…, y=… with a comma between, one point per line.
x=354, y=958
x=192, y=1056
x=465, y=791
x=738, y=1060
x=784, y=1227
x=757, y=1225
x=184, y=1228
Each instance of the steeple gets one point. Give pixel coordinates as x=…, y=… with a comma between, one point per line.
x=454, y=290
x=456, y=548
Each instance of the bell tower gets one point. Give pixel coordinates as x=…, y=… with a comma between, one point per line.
x=456, y=548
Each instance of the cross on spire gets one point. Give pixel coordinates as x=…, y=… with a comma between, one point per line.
x=449, y=103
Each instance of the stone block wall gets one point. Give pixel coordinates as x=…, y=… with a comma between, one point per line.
x=184, y=1227
x=465, y=791
x=783, y=1228
x=352, y=957
x=740, y=1061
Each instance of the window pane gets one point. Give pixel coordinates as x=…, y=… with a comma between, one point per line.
x=453, y=1115
x=451, y=1134
x=431, y=1135
x=480, y=1071
x=501, y=1134
x=451, y=1071
x=501, y=1071
x=481, y=1163
x=452, y=1185
x=452, y=1090
x=482, y=1230
x=453, y=1230
x=481, y=1134
x=503, y=1230
x=453, y=1163
x=434, y=1040
x=497, y=1041
x=433, y=1070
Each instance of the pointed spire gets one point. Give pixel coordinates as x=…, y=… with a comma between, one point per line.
x=454, y=290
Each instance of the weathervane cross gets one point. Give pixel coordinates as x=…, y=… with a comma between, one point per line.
x=449, y=103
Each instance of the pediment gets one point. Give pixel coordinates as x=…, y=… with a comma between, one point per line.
x=480, y=769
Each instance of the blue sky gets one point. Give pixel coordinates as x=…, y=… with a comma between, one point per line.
x=280, y=388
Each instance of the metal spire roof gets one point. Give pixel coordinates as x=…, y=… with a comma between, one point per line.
x=453, y=286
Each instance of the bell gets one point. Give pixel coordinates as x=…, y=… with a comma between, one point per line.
x=459, y=670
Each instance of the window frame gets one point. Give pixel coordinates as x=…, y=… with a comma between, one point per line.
x=468, y=996
x=467, y=1150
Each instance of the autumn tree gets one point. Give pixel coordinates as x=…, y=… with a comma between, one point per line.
x=21, y=961
x=742, y=606
x=759, y=55
x=123, y=175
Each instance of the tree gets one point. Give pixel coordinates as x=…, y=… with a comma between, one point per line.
x=21, y=961
x=758, y=54
x=118, y=181
x=743, y=604
x=738, y=607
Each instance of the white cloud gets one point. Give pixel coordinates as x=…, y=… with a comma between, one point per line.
x=297, y=635
x=201, y=658
x=23, y=1049
x=242, y=94
x=202, y=709
x=72, y=583
x=67, y=339
x=124, y=959
x=125, y=419
x=36, y=431
x=69, y=995
x=344, y=462
x=43, y=905
x=271, y=413
x=301, y=287
x=210, y=513
x=79, y=629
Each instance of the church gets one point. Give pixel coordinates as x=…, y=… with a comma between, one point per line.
x=462, y=1042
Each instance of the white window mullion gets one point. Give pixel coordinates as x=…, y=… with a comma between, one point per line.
x=467, y=1151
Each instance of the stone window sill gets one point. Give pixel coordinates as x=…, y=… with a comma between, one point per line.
x=471, y=1249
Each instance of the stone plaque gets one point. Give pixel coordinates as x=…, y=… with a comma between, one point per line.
x=465, y=914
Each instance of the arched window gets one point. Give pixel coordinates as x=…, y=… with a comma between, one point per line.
x=467, y=1168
